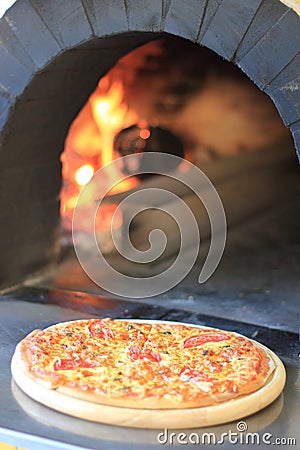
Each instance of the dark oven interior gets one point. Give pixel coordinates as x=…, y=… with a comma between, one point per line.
x=222, y=84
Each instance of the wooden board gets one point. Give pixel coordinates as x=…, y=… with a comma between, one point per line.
x=154, y=418
x=89, y=429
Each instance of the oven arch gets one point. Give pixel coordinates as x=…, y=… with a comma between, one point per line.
x=52, y=54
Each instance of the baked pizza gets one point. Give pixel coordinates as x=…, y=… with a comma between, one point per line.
x=144, y=364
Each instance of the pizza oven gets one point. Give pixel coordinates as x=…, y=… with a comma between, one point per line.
x=94, y=98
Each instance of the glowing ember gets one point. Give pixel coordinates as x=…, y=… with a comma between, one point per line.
x=145, y=133
x=84, y=174
x=108, y=216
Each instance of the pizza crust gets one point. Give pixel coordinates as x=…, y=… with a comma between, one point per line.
x=30, y=381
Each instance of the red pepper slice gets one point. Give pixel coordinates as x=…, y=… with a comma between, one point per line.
x=200, y=339
x=100, y=329
x=70, y=364
x=152, y=356
x=134, y=352
x=258, y=366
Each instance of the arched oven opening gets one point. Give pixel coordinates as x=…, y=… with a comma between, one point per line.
x=174, y=96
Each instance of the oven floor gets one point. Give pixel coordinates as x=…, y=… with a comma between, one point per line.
x=257, y=281
x=23, y=422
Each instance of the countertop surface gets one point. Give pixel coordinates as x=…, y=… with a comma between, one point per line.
x=26, y=423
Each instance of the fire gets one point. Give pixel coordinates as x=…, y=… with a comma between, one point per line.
x=90, y=146
x=84, y=174
x=110, y=115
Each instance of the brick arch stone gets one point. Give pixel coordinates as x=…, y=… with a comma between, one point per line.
x=52, y=54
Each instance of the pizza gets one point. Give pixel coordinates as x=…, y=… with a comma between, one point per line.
x=144, y=364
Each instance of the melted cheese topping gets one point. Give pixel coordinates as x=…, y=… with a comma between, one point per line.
x=112, y=359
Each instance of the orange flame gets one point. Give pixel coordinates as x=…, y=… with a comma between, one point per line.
x=84, y=174
x=89, y=146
